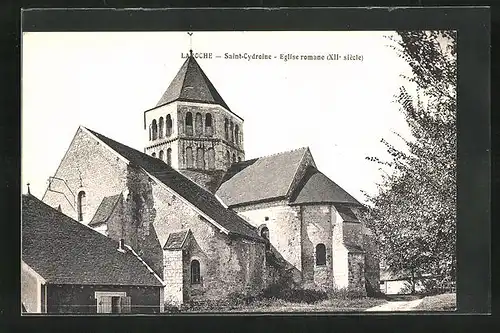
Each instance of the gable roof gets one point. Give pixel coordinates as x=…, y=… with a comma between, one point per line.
x=64, y=251
x=264, y=178
x=200, y=198
x=192, y=85
x=315, y=187
x=176, y=240
x=103, y=212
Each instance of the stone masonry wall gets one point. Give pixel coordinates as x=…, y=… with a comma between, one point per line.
x=339, y=252
x=227, y=265
x=173, y=277
x=284, y=224
x=317, y=229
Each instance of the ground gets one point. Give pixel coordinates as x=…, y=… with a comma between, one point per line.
x=443, y=302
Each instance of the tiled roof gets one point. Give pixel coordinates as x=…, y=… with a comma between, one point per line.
x=105, y=209
x=64, y=251
x=260, y=179
x=346, y=213
x=189, y=190
x=192, y=85
x=315, y=187
x=176, y=240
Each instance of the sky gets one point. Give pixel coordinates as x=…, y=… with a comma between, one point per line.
x=340, y=109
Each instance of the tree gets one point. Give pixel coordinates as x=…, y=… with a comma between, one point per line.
x=413, y=215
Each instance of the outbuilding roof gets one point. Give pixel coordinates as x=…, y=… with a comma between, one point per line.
x=202, y=199
x=64, y=251
x=103, y=212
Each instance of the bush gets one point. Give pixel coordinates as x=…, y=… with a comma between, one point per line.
x=294, y=295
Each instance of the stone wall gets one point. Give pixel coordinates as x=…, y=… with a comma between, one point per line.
x=173, y=277
x=317, y=229
x=78, y=170
x=339, y=252
x=227, y=265
x=284, y=224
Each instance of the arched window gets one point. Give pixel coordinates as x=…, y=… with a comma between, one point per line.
x=231, y=130
x=239, y=158
x=211, y=158
x=320, y=254
x=169, y=156
x=153, y=154
x=264, y=233
x=81, y=205
x=234, y=158
x=161, y=155
x=198, y=124
x=160, y=127
x=200, y=158
x=208, y=125
x=236, y=134
x=226, y=129
x=154, y=127
x=168, y=126
x=189, y=123
x=195, y=272
x=189, y=157
x=228, y=158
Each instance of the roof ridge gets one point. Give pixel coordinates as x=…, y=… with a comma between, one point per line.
x=282, y=152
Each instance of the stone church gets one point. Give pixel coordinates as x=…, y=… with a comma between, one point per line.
x=209, y=222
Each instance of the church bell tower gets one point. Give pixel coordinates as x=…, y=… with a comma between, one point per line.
x=192, y=129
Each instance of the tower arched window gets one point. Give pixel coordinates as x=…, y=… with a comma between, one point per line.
x=200, y=158
x=153, y=154
x=169, y=156
x=236, y=134
x=228, y=158
x=198, y=124
x=154, y=129
x=211, y=158
x=161, y=155
x=189, y=157
x=189, y=123
x=81, y=205
x=239, y=158
x=231, y=130
x=161, y=125
x=320, y=254
x=168, y=126
x=234, y=158
x=195, y=272
x=226, y=129
x=208, y=125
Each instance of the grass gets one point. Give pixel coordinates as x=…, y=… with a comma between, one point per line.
x=443, y=302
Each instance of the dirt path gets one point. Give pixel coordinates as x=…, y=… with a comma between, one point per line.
x=396, y=306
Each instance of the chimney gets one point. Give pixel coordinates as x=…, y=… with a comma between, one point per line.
x=121, y=245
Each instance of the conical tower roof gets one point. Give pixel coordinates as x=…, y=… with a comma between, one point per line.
x=191, y=85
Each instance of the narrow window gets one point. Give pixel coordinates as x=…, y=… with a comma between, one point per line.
x=195, y=272
x=189, y=157
x=198, y=124
x=189, y=123
x=153, y=154
x=234, y=158
x=155, y=129
x=169, y=156
x=160, y=127
x=237, y=134
x=200, y=158
x=168, y=123
x=264, y=233
x=320, y=254
x=81, y=205
x=228, y=158
x=161, y=155
x=211, y=158
x=226, y=129
x=231, y=130
x=239, y=158
x=208, y=125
